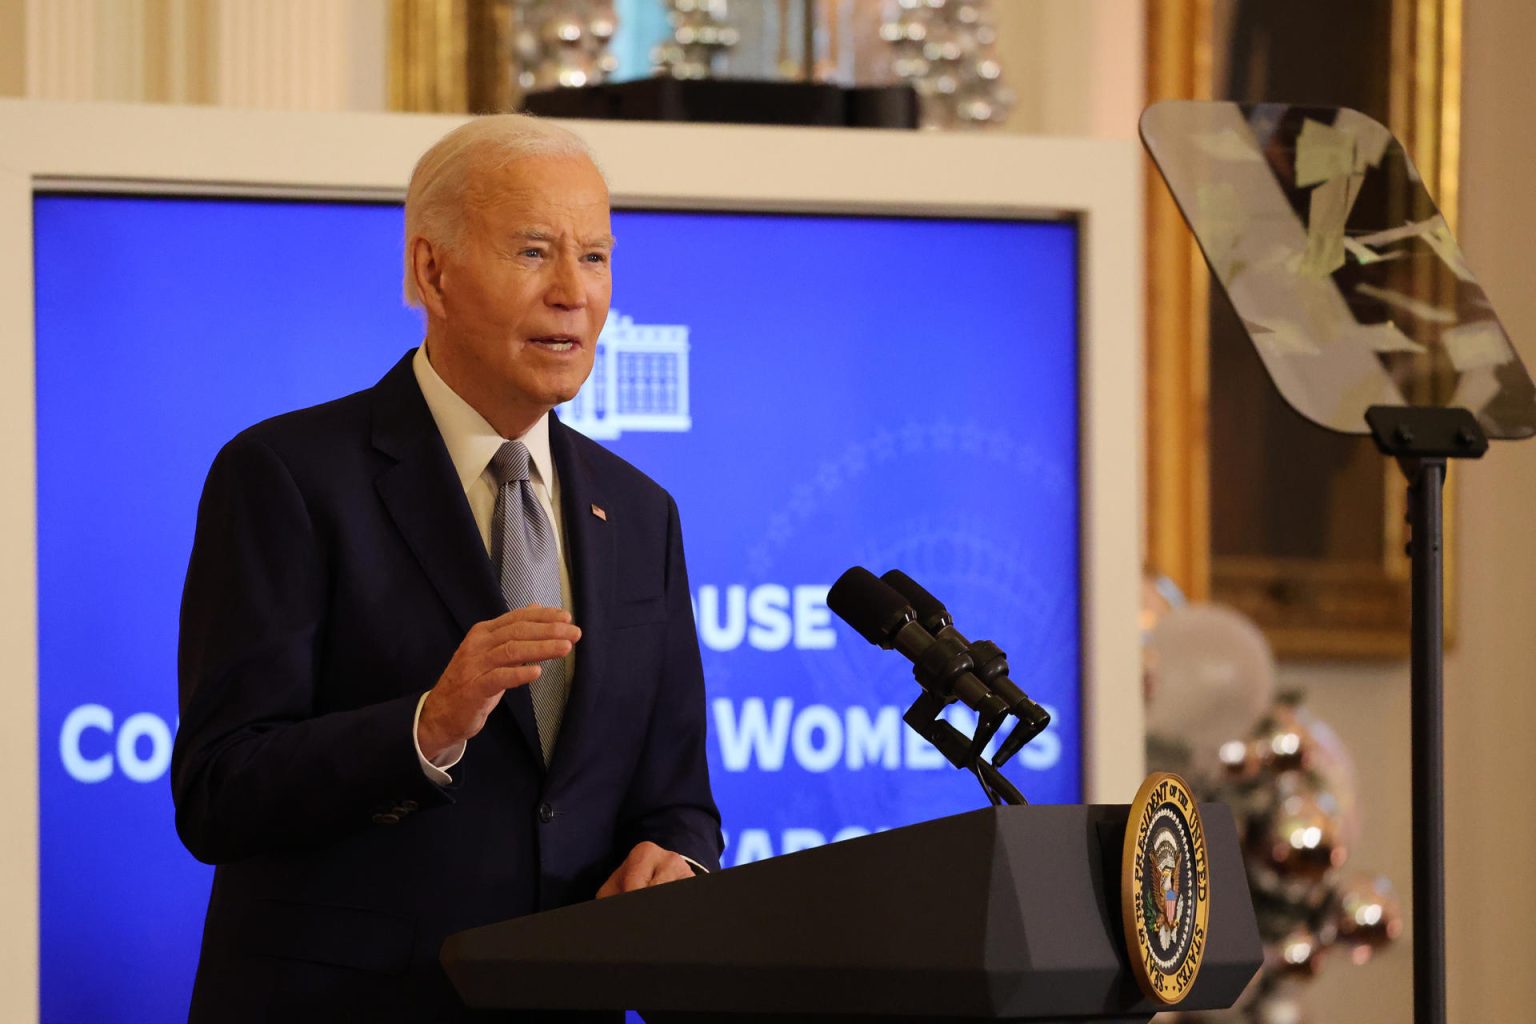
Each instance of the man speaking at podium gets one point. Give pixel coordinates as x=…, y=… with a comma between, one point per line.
x=437, y=658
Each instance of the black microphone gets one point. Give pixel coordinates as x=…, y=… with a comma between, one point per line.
x=871, y=607
x=882, y=616
x=989, y=662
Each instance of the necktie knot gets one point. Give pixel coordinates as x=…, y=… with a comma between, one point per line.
x=510, y=463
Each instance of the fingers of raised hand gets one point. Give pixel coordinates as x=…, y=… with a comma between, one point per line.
x=517, y=642
x=558, y=625
x=490, y=684
x=522, y=652
x=530, y=613
x=510, y=631
x=495, y=656
x=532, y=622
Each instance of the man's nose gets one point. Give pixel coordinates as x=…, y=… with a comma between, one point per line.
x=565, y=290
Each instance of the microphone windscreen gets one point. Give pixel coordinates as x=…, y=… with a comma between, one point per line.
x=930, y=611
x=860, y=599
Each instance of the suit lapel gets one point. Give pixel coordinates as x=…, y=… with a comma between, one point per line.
x=590, y=544
x=424, y=497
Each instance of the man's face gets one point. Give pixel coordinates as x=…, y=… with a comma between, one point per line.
x=526, y=290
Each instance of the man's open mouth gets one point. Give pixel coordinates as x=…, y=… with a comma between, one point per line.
x=557, y=342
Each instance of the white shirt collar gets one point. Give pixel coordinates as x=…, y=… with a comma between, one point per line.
x=472, y=441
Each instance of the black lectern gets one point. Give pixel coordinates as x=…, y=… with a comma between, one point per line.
x=1003, y=914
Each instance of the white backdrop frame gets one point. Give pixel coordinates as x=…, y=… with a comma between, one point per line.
x=709, y=167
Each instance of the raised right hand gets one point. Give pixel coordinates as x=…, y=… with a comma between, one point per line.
x=494, y=657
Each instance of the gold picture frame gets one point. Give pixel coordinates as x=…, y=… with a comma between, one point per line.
x=451, y=56
x=1308, y=606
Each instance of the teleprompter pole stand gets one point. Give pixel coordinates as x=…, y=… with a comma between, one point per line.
x=1422, y=439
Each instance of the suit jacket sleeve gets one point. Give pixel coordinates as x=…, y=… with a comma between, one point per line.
x=258, y=765
x=669, y=800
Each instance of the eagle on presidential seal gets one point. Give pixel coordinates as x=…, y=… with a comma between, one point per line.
x=1161, y=901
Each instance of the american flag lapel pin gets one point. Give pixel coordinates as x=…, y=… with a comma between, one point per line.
x=597, y=510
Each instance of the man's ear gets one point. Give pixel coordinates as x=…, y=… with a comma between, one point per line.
x=427, y=268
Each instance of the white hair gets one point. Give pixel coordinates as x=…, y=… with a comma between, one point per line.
x=434, y=202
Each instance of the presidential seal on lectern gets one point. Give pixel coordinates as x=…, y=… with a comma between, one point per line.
x=1165, y=887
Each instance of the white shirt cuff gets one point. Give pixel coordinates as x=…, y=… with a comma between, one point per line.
x=438, y=773
x=698, y=869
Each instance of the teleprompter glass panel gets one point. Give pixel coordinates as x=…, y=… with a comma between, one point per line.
x=1340, y=266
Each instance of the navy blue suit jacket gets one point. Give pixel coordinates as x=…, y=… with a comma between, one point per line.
x=336, y=568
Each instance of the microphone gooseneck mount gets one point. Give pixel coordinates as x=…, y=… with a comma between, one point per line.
x=895, y=613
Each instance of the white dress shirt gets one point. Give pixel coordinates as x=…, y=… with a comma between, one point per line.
x=471, y=443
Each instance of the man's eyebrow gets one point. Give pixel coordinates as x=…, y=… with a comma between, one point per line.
x=542, y=235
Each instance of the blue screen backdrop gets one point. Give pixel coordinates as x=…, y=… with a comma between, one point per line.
x=816, y=391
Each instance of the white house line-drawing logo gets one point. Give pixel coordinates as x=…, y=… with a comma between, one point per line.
x=639, y=381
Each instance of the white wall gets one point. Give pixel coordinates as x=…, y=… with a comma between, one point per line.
x=672, y=166
x=1078, y=68
x=1490, y=754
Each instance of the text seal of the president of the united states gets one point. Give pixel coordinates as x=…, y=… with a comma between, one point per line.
x=1165, y=887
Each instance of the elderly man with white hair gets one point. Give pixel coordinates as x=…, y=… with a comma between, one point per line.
x=437, y=657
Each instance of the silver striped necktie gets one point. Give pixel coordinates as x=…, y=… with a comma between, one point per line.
x=523, y=548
